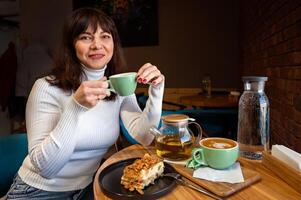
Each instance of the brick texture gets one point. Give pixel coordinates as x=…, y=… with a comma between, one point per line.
x=270, y=45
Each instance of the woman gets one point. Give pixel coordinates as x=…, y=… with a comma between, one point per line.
x=71, y=116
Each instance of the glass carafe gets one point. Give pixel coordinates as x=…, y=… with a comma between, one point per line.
x=253, y=118
x=206, y=85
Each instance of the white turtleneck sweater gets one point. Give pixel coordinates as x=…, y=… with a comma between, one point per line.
x=67, y=141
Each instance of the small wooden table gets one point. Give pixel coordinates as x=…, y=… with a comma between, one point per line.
x=215, y=101
x=270, y=186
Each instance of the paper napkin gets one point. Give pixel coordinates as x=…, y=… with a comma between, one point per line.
x=290, y=157
x=232, y=174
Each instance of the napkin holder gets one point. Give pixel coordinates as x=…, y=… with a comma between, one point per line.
x=287, y=173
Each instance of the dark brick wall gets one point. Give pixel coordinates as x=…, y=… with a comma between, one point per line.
x=270, y=45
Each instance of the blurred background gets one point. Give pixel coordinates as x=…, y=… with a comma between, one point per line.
x=223, y=38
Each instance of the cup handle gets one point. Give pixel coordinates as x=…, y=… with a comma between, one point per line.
x=111, y=87
x=197, y=160
x=200, y=133
x=198, y=156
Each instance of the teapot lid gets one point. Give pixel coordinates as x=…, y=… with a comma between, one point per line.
x=175, y=118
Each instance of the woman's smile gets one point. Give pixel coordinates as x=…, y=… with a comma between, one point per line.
x=96, y=56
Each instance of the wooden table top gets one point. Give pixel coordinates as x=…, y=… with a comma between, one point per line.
x=270, y=186
x=215, y=101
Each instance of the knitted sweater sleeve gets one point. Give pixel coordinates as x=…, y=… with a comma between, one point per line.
x=50, y=128
x=138, y=122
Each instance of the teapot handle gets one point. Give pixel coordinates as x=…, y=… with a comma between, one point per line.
x=200, y=133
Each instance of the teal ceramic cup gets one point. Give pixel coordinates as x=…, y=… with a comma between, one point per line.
x=123, y=84
x=217, y=153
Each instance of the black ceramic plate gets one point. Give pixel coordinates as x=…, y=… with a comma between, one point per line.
x=109, y=181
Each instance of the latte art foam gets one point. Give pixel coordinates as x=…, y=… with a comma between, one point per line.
x=218, y=143
x=221, y=145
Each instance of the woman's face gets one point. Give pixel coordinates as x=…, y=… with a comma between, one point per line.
x=94, y=50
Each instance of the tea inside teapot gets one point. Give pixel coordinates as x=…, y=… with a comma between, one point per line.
x=171, y=147
x=174, y=140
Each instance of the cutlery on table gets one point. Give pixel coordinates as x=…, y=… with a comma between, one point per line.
x=179, y=179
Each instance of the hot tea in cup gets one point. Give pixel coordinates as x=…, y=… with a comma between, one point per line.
x=123, y=84
x=218, y=153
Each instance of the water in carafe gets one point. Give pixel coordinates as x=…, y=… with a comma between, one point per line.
x=253, y=118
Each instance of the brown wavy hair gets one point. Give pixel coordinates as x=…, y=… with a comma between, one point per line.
x=67, y=71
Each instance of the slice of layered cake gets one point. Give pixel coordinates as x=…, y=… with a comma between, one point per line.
x=142, y=172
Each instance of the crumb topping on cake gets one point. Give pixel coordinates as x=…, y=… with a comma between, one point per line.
x=142, y=172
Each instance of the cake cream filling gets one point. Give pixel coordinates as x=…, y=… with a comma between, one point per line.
x=148, y=176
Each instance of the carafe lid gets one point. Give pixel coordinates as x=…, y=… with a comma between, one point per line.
x=175, y=118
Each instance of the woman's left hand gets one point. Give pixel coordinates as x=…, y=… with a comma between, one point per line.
x=149, y=73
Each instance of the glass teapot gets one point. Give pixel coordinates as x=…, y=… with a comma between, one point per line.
x=174, y=140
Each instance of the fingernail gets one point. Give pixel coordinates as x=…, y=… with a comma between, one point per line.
x=139, y=80
x=154, y=82
x=144, y=81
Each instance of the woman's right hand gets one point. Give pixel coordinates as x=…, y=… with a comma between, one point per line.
x=90, y=92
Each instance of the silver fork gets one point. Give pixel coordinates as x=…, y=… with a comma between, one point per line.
x=179, y=179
